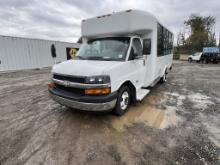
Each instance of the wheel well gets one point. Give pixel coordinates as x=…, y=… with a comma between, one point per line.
x=166, y=69
x=132, y=89
x=171, y=67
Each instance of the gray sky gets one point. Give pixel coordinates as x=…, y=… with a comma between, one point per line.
x=60, y=19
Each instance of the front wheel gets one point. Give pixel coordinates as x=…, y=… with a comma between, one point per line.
x=123, y=101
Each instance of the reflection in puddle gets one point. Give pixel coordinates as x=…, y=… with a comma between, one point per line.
x=146, y=114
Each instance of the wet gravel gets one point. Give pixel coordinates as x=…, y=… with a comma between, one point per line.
x=177, y=123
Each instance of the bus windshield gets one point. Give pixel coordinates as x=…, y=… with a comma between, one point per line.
x=105, y=49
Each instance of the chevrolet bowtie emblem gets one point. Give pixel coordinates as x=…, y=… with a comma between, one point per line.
x=66, y=83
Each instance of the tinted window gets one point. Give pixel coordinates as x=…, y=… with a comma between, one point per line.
x=147, y=46
x=159, y=40
x=164, y=41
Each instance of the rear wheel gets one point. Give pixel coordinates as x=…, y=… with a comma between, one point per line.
x=190, y=60
x=215, y=61
x=123, y=101
x=164, y=78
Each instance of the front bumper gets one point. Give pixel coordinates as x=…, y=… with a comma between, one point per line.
x=85, y=103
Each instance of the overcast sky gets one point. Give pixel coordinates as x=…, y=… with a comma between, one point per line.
x=60, y=19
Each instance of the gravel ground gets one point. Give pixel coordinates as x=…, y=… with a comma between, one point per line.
x=177, y=123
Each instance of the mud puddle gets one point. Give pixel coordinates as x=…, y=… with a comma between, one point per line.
x=149, y=115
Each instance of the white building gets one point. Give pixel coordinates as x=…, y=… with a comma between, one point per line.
x=23, y=53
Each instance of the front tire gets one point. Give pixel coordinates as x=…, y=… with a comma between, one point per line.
x=123, y=101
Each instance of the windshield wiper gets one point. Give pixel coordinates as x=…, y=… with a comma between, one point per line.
x=95, y=58
x=100, y=58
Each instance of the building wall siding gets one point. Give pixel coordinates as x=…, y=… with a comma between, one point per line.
x=22, y=53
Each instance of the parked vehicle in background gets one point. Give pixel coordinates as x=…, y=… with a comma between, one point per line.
x=210, y=54
x=123, y=54
x=195, y=57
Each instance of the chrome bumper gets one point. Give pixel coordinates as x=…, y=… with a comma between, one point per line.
x=84, y=106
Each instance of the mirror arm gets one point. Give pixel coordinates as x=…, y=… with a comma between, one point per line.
x=138, y=57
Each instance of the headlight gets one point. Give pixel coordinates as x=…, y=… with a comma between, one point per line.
x=98, y=80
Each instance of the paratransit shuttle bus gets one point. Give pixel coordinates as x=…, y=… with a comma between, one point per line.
x=123, y=54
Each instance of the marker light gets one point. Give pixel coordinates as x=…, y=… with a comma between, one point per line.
x=100, y=91
x=51, y=85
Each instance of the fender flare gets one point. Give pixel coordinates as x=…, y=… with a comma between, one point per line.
x=133, y=89
x=123, y=82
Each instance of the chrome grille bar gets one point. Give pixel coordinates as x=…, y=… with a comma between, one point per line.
x=79, y=85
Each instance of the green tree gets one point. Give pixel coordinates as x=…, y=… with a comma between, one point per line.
x=201, y=32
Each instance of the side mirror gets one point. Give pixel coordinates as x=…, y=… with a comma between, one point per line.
x=137, y=57
x=145, y=57
x=133, y=54
x=147, y=46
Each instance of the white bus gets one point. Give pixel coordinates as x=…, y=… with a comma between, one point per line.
x=122, y=55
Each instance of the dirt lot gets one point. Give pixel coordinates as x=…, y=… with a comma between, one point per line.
x=177, y=123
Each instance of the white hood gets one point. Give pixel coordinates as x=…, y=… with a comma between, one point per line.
x=85, y=67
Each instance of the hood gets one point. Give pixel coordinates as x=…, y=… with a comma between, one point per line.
x=85, y=67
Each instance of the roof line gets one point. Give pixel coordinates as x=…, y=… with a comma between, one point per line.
x=37, y=39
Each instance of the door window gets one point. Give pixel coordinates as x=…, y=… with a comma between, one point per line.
x=136, y=49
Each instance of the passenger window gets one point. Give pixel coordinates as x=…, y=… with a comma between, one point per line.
x=147, y=46
x=136, y=49
x=164, y=41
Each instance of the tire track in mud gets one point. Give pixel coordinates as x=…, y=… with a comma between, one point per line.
x=36, y=130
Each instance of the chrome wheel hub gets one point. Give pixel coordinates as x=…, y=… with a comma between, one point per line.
x=124, y=100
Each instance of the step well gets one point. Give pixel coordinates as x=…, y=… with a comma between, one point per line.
x=141, y=93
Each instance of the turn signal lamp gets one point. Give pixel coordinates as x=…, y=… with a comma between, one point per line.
x=101, y=91
x=51, y=85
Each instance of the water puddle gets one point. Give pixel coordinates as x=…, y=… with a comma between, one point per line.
x=147, y=114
